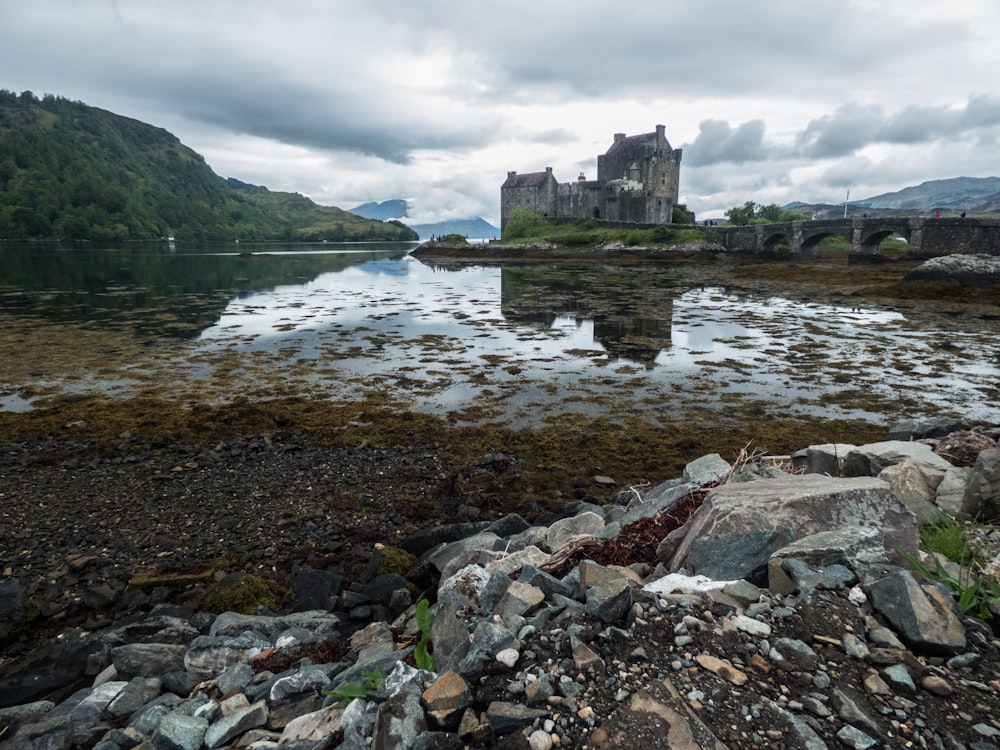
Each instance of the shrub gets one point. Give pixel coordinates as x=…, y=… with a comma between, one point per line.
x=524, y=224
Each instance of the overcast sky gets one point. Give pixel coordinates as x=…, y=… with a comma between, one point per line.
x=435, y=100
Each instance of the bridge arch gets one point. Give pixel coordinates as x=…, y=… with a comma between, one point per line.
x=773, y=239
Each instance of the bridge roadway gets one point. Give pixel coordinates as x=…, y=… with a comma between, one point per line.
x=927, y=238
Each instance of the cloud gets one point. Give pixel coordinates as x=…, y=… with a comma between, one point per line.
x=718, y=142
x=851, y=127
x=348, y=101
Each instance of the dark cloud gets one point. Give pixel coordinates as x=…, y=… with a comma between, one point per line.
x=851, y=127
x=419, y=91
x=718, y=142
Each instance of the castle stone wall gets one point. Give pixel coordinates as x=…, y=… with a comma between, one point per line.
x=637, y=183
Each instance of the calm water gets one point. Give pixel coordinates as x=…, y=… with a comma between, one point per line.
x=521, y=343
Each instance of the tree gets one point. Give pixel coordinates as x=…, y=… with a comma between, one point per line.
x=681, y=215
x=755, y=213
x=523, y=224
x=742, y=215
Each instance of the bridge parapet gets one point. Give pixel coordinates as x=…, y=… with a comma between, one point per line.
x=927, y=238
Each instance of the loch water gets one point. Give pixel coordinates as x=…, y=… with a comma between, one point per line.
x=524, y=343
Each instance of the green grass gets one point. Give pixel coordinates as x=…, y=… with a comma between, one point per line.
x=948, y=538
x=527, y=227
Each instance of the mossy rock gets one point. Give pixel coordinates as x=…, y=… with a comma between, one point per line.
x=246, y=595
x=395, y=560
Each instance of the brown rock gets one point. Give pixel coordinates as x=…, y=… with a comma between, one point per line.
x=963, y=448
x=721, y=668
x=446, y=700
x=936, y=685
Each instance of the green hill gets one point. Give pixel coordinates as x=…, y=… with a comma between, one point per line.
x=73, y=172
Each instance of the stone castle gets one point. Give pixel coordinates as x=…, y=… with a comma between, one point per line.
x=637, y=183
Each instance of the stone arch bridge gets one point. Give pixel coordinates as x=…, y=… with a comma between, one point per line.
x=927, y=238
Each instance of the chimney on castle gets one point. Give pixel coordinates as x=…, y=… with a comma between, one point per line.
x=661, y=132
x=619, y=137
x=582, y=177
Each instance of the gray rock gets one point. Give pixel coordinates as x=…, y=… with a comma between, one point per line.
x=208, y=656
x=400, y=721
x=519, y=599
x=803, y=505
x=494, y=590
x=982, y=492
x=660, y=499
x=147, y=659
x=236, y=723
x=320, y=622
x=733, y=556
x=137, y=692
x=505, y=717
x=869, y=460
x=915, y=484
x=488, y=639
x=509, y=525
x=450, y=632
x=922, y=615
x=825, y=458
x=468, y=582
x=88, y=712
x=236, y=676
x=306, y=678
x=968, y=270
x=484, y=540
x=180, y=732
x=855, y=547
x=549, y=584
x=148, y=718
x=899, y=677
x=797, y=652
x=12, y=612
x=561, y=531
x=936, y=427
x=55, y=733
x=710, y=468
x=25, y=712
x=950, y=497
x=850, y=711
x=609, y=600
x=425, y=539
x=467, y=557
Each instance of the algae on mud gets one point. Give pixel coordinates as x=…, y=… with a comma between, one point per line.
x=556, y=455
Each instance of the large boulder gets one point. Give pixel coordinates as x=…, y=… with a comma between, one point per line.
x=968, y=270
x=963, y=448
x=915, y=484
x=933, y=427
x=803, y=505
x=982, y=492
x=869, y=460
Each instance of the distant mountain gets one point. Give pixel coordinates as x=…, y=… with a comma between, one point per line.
x=399, y=209
x=959, y=193
x=74, y=172
x=476, y=228
x=384, y=211
x=975, y=196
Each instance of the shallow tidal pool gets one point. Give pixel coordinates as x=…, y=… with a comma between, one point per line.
x=520, y=345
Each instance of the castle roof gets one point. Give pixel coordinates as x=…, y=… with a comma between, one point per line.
x=530, y=179
x=631, y=140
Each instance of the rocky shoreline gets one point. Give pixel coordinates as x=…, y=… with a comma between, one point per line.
x=798, y=627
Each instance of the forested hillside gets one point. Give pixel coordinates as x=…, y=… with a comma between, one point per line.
x=74, y=172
